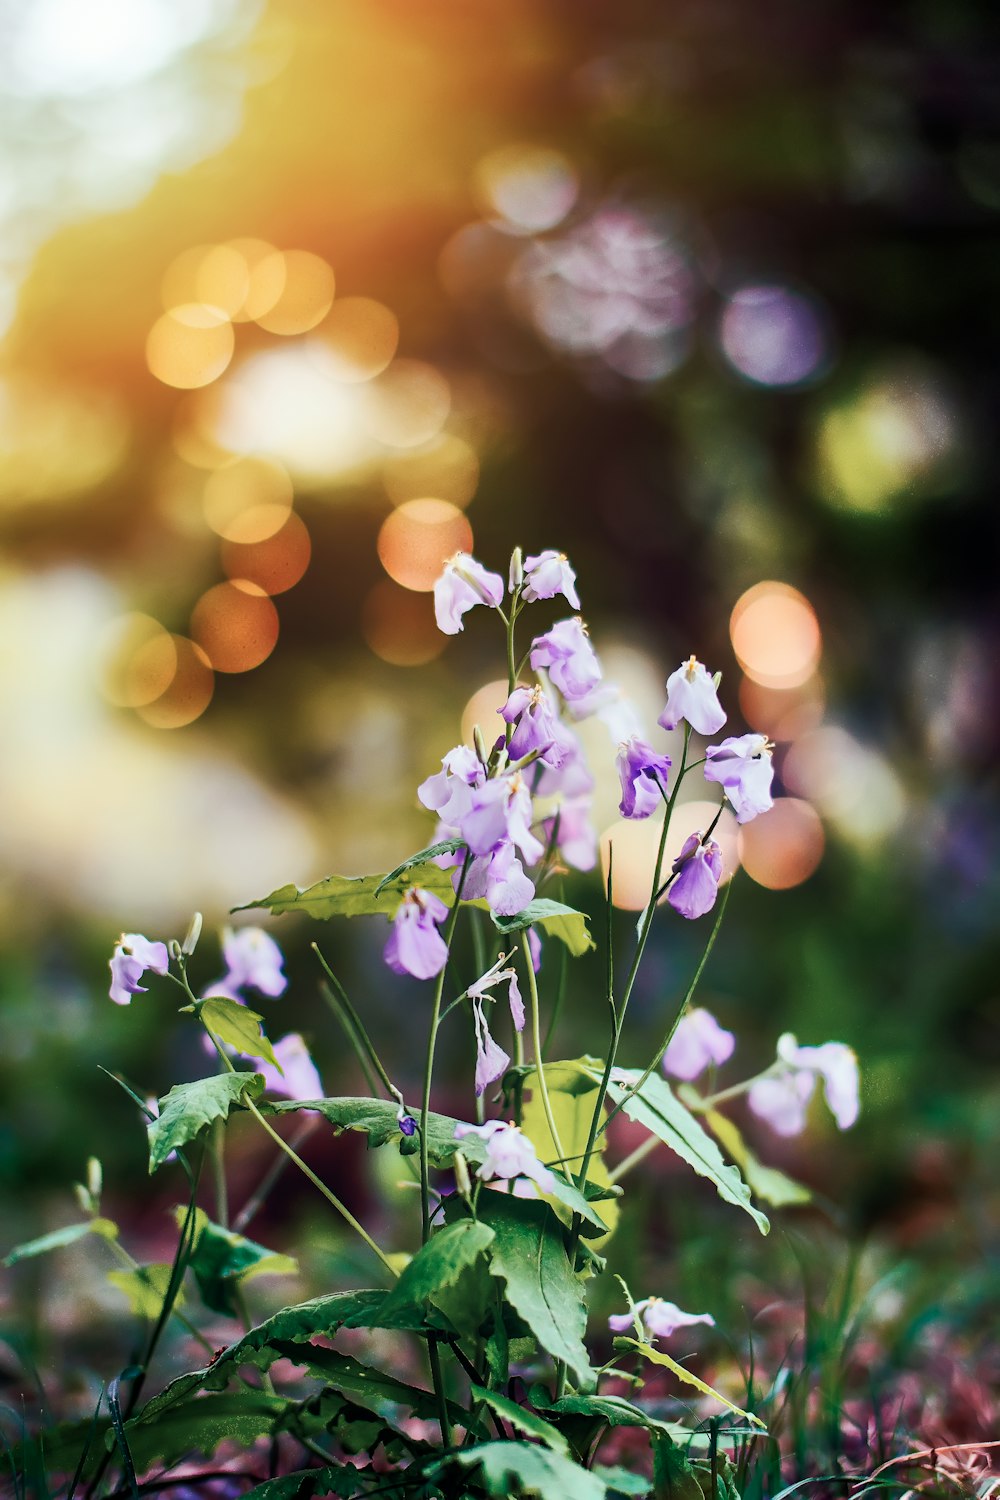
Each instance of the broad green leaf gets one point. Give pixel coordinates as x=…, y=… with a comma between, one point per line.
x=354, y=896
x=674, y=1475
x=436, y=1267
x=189, y=1107
x=529, y=1253
x=377, y=1118
x=222, y=1260
x=332, y=1479
x=662, y=1113
x=516, y=1468
x=238, y=1025
x=365, y=1385
x=523, y=1418
x=201, y=1424
x=616, y=1411
x=446, y=846
x=573, y=1110
x=621, y=1481
x=767, y=1182
x=319, y=1317
x=563, y=922
x=145, y=1288
x=657, y=1357
x=58, y=1239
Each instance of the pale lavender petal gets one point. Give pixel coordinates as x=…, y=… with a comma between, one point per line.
x=698, y=1042
x=781, y=1102
x=515, y=1001
x=299, y=1078
x=743, y=766
x=642, y=773
x=547, y=575
x=463, y=584
x=565, y=651
x=621, y=1323
x=695, y=885
x=254, y=960
x=664, y=1318
x=492, y=1061
x=415, y=946
x=126, y=972
x=152, y=956
x=692, y=695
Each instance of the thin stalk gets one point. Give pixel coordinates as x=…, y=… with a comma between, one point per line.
x=355, y=1028
x=219, y=1173
x=634, y=1158
x=280, y=1164
x=133, y=1265
x=536, y=1039
x=560, y=992
x=425, y=1103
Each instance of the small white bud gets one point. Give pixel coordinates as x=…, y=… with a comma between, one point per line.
x=95, y=1178
x=462, y=1180
x=190, y=942
x=479, y=741
x=516, y=577
x=87, y=1204
x=175, y=950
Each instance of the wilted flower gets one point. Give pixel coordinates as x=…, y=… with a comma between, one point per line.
x=299, y=1078
x=661, y=1318
x=253, y=961
x=492, y=1061
x=643, y=774
x=697, y=1042
x=415, y=946
x=134, y=955
x=464, y=584
x=547, y=575
x=509, y=1154
x=781, y=1097
x=566, y=652
x=697, y=872
x=692, y=695
x=499, y=975
x=742, y=765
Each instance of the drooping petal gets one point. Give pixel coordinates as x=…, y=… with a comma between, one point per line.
x=565, y=651
x=415, y=946
x=547, y=575
x=153, y=956
x=299, y=1078
x=492, y=1061
x=643, y=774
x=782, y=1101
x=698, y=1042
x=697, y=872
x=692, y=695
x=126, y=972
x=742, y=765
x=464, y=584
x=664, y=1318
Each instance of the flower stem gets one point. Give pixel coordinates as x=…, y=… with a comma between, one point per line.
x=425, y=1103
x=536, y=1038
x=633, y=1159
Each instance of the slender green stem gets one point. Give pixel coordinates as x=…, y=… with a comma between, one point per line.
x=634, y=1158
x=355, y=1029
x=219, y=1173
x=437, y=1378
x=280, y=1164
x=425, y=1103
x=133, y=1265
x=712, y=1101
x=536, y=1038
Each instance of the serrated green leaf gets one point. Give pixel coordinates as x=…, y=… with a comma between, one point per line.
x=332, y=1479
x=221, y=1260
x=657, y=1107
x=57, y=1239
x=446, y=846
x=767, y=1182
x=189, y=1107
x=378, y=1119
x=238, y=1025
x=529, y=1254
x=366, y=1386
x=658, y=1357
x=436, y=1267
x=616, y=1411
x=563, y=922
x=145, y=1288
x=354, y=896
x=523, y=1418
x=201, y=1424
x=516, y=1468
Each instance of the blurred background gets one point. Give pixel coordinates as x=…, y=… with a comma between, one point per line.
x=298, y=298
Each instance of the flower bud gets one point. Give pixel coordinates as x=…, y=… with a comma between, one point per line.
x=190, y=942
x=516, y=576
x=87, y=1204
x=462, y=1180
x=175, y=950
x=479, y=740
x=95, y=1178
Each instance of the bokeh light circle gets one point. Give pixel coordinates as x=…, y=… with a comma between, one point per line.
x=782, y=713
x=137, y=660
x=188, y=693
x=773, y=336
x=248, y=500
x=190, y=346
x=417, y=539
x=775, y=634
x=447, y=468
x=306, y=294
x=236, y=626
x=781, y=848
x=483, y=708
x=531, y=188
x=399, y=626
x=273, y=563
x=361, y=335
x=636, y=843
x=411, y=404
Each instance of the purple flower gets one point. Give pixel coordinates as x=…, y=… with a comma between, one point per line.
x=616, y=712
x=661, y=1318
x=499, y=880
x=509, y=1154
x=697, y=872
x=569, y=657
x=547, y=575
x=577, y=840
x=415, y=946
x=499, y=975
x=253, y=961
x=464, y=584
x=406, y=1123
x=133, y=956
x=643, y=773
x=836, y=1064
x=300, y=1080
x=742, y=766
x=448, y=791
x=535, y=949
x=692, y=695
x=537, y=729
x=698, y=1041
x=571, y=778
x=500, y=813
x=782, y=1101
x=492, y=1061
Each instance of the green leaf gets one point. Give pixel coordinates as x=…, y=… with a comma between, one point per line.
x=523, y=1418
x=529, y=1253
x=201, y=1424
x=57, y=1239
x=189, y=1107
x=621, y=1481
x=350, y=896
x=365, y=1385
x=767, y=1182
x=222, y=1260
x=145, y=1288
x=378, y=1119
x=662, y=1113
x=332, y=1479
x=657, y=1357
x=563, y=922
x=446, y=846
x=516, y=1468
x=239, y=1026
x=572, y=1095
x=436, y=1267
x=674, y=1475
x=616, y=1411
